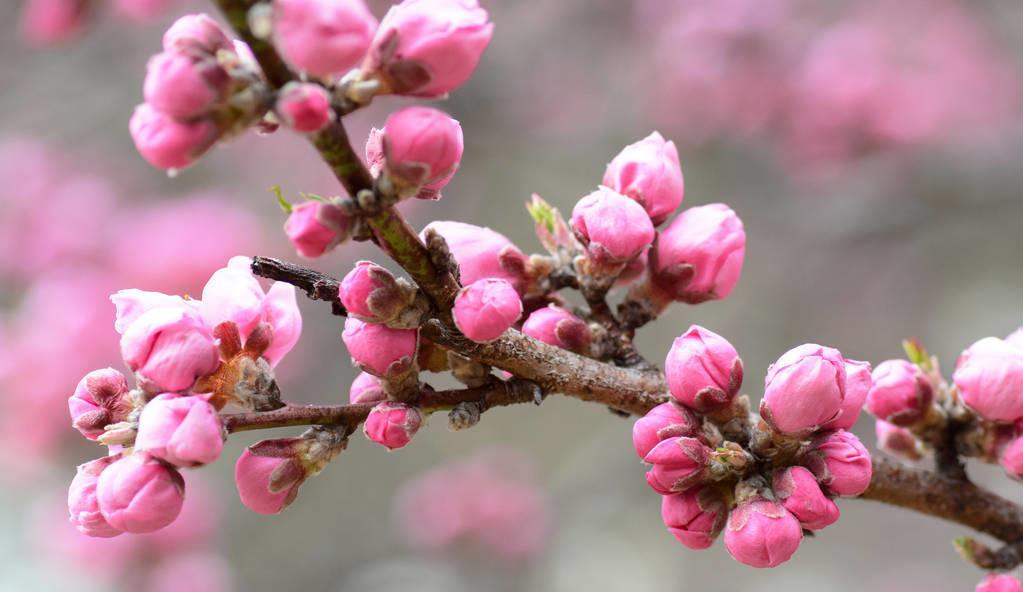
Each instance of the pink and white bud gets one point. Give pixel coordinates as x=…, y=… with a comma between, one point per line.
x=315, y=227
x=167, y=143
x=762, y=533
x=857, y=385
x=182, y=430
x=703, y=370
x=694, y=517
x=556, y=326
x=304, y=107
x=100, y=399
x=47, y=22
x=184, y=85
x=804, y=389
x=797, y=489
x=392, y=424
x=481, y=253
x=897, y=440
x=169, y=348
x=699, y=256
x=901, y=393
x=366, y=388
x=268, y=475
x=323, y=37
x=678, y=464
x=83, y=506
x=999, y=583
x=485, y=309
x=613, y=228
x=1011, y=458
x=667, y=420
x=649, y=172
x=418, y=148
x=371, y=293
x=989, y=376
x=378, y=349
x=840, y=462
x=428, y=48
x=196, y=34
x=139, y=494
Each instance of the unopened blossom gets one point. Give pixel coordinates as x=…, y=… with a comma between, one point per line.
x=83, y=505
x=678, y=464
x=366, y=388
x=485, y=309
x=703, y=370
x=182, y=430
x=139, y=493
x=840, y=462
x=857, y=385
x=378, y=349
x=556, y=326
x=304, y=106
x=613, y=228
x=797, y=490
x=196, y=33
x=169, y=348
x=667, y=420
x=699, y=256
x=166, y=142
x=762, y=533
x=649, y=172
x=100, y=399
x=315, y=227
x=322, y=37
x=481, y=252
x=901, y=393
x=694, y=517
x=418, y=148
x=897, y=440
x=184, y=85
x=804, y=389
x=371, y=293
x=427, y=48
x=999, y=583
x=392, y=424
x=268, y=475
x=989, y=376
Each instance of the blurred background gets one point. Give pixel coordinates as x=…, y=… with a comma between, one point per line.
x=873, y=150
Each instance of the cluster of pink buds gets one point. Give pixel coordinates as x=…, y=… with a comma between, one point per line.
x=914, y=404
x=762, y=480
x=190, y=358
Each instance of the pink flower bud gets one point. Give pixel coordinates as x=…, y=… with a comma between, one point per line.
x=167, y=143
x=427, y=48
x=699, y=256
x=678, y=464
x=131, y=304
x=989, y=376
x=1011, y=458
x=304, y=106
x=315, y=227
x=694, y=517
x=366, y=388
x=100, y=399
x=82, y=504
x=840, y=462
x=556, y=326
x=138, y=494
x=268, y=475
x=857, y=385
x=613, y=228
x=804, y=389
x=667, y=420
x=703, y=370
x=901, y=393
x=797, y=490
x=169, y=348
x=418, y=147
x=182, y=430
x=379, y=349
x=762, y=533
x=46, y=22
x=392, y=424
x=182, y=85
x=323, y=37
x=371, y=293
x=484, y=310
x=999, y=583
x=896, y=440
x=649, y=172
x=481, y=253
x=196, y=34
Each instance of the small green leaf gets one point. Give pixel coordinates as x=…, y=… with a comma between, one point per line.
x=286, y=205
x=916, y=353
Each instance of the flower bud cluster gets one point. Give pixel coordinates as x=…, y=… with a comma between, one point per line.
x=764, y=480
